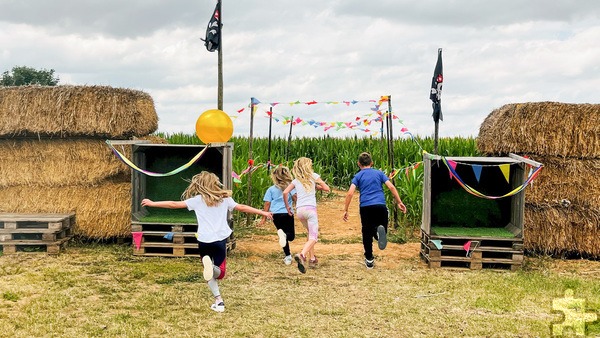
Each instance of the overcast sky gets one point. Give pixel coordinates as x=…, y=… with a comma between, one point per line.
x=494, y=53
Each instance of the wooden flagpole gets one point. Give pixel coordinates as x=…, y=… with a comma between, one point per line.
x=390, y=128
x=220, y=62
x=289, y=144
x=250, y=157
x=269, y=151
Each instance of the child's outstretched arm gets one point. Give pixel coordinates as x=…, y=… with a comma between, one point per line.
x=286, y=192
x=348, y=199
x=250, y=210
x=401, y=205
x=321, y=185
x=265, y=208
x=164, y=204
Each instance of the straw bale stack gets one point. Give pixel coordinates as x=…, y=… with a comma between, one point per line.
x=102, y=211
x=562, y=210
x=71, y=111
x=55, y=159
x=543, y=128
x=58, y=162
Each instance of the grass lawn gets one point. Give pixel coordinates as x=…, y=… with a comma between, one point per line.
x=93, y=290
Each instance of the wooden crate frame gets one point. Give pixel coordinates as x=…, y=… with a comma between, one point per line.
x=183, y=242
x=486, y=256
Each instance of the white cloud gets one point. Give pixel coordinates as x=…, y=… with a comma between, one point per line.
x=494, y=53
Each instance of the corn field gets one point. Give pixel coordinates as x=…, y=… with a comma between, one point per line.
x=335, y=159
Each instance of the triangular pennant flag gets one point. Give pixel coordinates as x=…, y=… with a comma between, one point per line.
x=506, y=171
x=169, y=236
x=453, y=165
x=137, y=239
x=467, y=246
x=437, y=243
x=477, y=171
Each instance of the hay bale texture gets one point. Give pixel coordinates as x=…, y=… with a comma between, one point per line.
x=72, y=111
x=562, y=209
x=67, y=167
x=543, y=128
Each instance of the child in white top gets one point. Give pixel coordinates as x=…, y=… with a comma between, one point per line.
x=306, y=183
x=207, y=198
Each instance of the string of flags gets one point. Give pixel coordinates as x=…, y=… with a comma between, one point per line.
x=365, y=123
x=406, y=170
x=132, y=165
x=505, y=168
x=469, y=246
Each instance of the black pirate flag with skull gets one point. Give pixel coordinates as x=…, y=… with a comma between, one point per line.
x=436, y=89
x=213, y=31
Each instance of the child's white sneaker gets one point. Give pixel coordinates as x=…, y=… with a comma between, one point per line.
x=208, y=268
x=287, y=260
x=282, y=238
x=218, y=307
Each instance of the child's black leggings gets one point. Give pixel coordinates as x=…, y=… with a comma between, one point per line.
x=285, y=222
x=371, y=217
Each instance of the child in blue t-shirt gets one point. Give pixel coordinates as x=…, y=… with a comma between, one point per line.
x=283, y=221
x=373, y=209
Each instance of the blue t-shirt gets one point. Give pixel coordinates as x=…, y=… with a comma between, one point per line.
x=370, y=182
x=275, y=196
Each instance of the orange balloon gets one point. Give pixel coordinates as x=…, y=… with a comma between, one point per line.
x=214, y=126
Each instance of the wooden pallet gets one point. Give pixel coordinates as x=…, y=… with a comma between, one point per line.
x=46, y=233
x=183, y=242
x=166, y=249
x=490, y=253
x=36, y=221
x=51, y=248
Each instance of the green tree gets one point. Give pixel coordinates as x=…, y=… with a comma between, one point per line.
x=22, y=76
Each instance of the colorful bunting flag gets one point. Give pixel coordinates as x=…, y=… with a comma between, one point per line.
x=137, y=239
x=477, y=171
x=506, y=171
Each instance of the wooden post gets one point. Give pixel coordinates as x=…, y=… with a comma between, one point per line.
x=250, y=158
x=287, y=151
x=390, y=128
x=269, y=147
x=435, y=138
x=220, y=62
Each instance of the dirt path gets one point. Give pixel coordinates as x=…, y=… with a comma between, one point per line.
x=336, y=237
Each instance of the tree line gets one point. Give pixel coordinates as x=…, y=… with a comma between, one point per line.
x=23, y=76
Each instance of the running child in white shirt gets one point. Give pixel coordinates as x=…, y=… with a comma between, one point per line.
x=306, y=183
x=207, y=198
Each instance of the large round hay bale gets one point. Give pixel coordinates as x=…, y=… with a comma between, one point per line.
x=544, y=128
x=75, y=111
